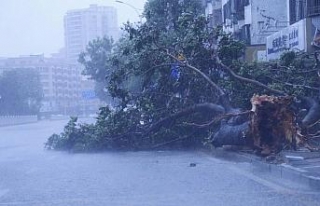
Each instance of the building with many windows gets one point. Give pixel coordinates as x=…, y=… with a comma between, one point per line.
x=60, y=82
x=83, y=25
x=303, y=33
x=301, y=9
x=252, y=21
x=65, y=90
x=213, y=12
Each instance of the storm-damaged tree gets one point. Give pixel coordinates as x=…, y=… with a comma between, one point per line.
x=96, y=61
x=21, y=92
x=192, y=86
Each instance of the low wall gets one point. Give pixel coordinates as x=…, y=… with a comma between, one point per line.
x=14, y=120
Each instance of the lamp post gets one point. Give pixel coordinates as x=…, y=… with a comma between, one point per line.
x=134, y=8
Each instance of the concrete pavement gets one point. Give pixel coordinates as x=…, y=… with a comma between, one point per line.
x=30, y=175
x=301, y=167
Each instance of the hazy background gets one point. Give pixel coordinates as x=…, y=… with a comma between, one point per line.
x=36, y=26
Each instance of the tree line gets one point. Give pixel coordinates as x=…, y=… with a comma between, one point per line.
x=20, y=91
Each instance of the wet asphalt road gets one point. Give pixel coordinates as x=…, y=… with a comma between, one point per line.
x=32, y=176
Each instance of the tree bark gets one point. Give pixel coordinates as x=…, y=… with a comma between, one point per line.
x=232, y=135
x=243, y=79
x=313, y=114
x=271, y=126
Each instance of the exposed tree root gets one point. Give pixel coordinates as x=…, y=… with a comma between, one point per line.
x=272, y=123
x=271, y=126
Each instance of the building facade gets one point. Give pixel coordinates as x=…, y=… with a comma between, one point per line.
x=252, y=21
x=84, y=25
x=303, y=34
x=66, y=91
x=60, y=82
x=213, y=12
x=301, y=9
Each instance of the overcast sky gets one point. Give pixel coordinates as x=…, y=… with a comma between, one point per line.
x=36, y=26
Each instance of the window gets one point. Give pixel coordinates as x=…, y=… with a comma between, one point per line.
x=313, y=7
x=261, y=25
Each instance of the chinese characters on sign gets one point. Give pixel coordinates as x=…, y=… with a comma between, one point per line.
x=290, y=38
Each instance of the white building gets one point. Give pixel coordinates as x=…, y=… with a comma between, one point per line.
x=303, y=34
x=213, y=12
x=83, y=25
x=252, y=21
x=60, y=82
x=65, y=90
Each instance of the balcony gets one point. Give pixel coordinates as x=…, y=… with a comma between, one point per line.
x=313, y=11
x=313, y=8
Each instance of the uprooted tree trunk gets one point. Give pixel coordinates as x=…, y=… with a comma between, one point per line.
x=270, y=126
x=272, y=123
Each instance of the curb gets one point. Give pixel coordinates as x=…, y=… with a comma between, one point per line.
x=284, y=171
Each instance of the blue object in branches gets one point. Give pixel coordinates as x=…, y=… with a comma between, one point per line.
x=175, y=71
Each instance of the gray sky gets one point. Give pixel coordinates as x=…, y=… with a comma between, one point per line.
x=36, y=26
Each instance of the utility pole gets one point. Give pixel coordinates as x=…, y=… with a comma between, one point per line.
x=134, y=8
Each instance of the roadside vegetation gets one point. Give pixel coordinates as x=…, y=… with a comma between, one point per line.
x=20, y=92
x=179, y=84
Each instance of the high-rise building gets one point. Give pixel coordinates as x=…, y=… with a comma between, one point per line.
x=84, y=25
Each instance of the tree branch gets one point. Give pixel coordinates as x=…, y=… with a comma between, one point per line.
x=204, y=107
x=295, y=72
x=205, y=125
x=243, y=79
x=313, y=114
x=217, y=119
x=223, y=97
x=294, y=85
x=214, y=85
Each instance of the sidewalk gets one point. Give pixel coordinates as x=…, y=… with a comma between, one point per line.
x=300, y=166
x=17, y=120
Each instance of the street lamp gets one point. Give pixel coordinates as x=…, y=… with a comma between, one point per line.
x=134, y=8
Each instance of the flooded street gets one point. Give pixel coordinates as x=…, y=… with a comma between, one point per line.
x=31, y=175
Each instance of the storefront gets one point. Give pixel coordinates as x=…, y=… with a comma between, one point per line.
x=302, y=36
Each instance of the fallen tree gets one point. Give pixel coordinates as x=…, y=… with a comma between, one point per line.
x=175, y=89
x=271, y=125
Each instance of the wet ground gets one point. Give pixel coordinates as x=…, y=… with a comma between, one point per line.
x=30, y=175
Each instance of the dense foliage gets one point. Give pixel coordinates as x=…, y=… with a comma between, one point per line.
x=21, y=92
x=164, y=103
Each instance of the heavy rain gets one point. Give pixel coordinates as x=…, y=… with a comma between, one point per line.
x=160, y=102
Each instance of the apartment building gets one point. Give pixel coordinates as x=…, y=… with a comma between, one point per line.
x=252, y=21
x=213, y=12
x=83, y=25
x=60, y=81
x=301, y=9
x=303, y=34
